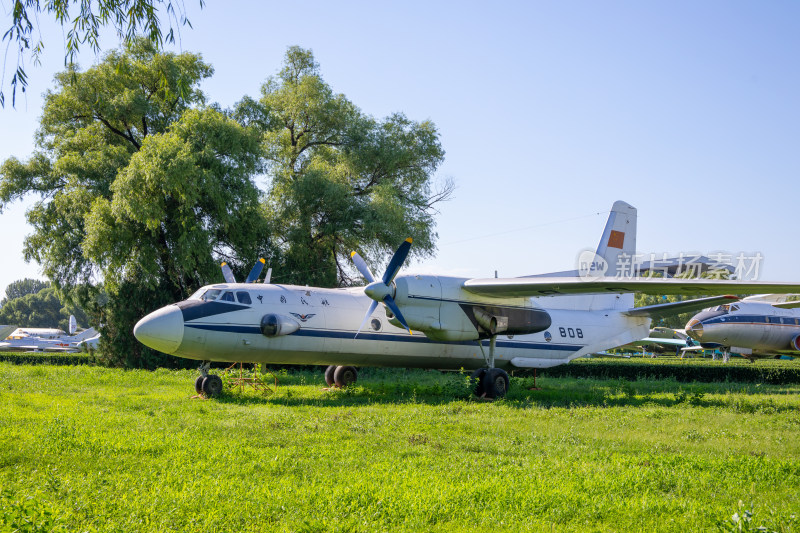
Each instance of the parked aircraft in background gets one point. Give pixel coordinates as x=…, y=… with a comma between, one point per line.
x=49, y=339
x=752, y=328
x=663, y=339
x=46, y=333
x=484, y=324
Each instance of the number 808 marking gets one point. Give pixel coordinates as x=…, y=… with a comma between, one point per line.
x=571, y=333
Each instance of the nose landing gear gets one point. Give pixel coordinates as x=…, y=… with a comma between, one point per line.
x=208, y=385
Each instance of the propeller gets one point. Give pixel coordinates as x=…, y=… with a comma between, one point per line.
x=227, y=274
x=382, y=290
x=252, y=277
x=257, y=268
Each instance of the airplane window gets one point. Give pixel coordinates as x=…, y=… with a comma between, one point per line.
x=766, y=319
x=244, y=298
x=198, y=295
x=734, y=308
x=227, y=297
x=725, y=307
x=211, y=295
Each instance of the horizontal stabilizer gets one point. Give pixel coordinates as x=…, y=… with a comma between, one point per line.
x=676, y=308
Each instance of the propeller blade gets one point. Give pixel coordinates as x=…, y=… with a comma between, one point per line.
x=389, y=301
x=362, y=267
x=257, y=268
x=268, y=277
x=226, y=273
x=371, y=309
x=397, y=261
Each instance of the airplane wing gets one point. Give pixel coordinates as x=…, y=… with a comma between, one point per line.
x=521, y=287
x=787, y=305
x=693, y=349
x=676, y=308
x=653, y=340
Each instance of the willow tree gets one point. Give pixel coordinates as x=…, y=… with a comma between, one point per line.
x=338, y=178
x=142, y=188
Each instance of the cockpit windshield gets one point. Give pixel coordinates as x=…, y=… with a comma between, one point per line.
x=210, y=295
x=725, y=308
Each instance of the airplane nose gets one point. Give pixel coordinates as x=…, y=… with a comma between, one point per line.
x=161, y=330
x=694, y=329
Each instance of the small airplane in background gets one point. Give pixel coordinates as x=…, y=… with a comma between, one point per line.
x=753, y=328
x=667, y=339
x=487, y=325
x=49, y=339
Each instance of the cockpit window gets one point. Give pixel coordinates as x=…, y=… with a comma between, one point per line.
x=198, y=295
x=227, y=296
x=734, y=307
x=211, y=295
x=244, y=298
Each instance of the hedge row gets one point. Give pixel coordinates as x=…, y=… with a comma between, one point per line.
x=38, y=358
x=774, y=372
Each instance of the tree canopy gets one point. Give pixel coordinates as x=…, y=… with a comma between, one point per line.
x=340, y=179
x=84, y=21
x=41, y=309
x=144, y=187
x=22, y=287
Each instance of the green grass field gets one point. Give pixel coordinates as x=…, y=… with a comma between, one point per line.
x=94, y=449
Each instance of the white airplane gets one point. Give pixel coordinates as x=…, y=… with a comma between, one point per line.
x=752, y=328
x=485, y=324
x=48, y=339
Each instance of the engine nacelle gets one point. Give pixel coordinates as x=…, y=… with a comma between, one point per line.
x=492, y=324
x=274, y=325
x=795, y=344
x=437, y=306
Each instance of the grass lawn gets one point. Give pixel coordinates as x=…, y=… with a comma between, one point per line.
x=94, y=449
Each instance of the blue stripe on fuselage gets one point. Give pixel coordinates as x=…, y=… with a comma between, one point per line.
x=386, y=337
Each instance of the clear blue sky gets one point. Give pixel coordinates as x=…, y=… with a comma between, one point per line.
x=548, y=112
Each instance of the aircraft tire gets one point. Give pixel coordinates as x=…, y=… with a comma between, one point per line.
x=212, y=385
x=495, y=383
x=476, y=381
x=344, y=376
x=329, y=375
x=198, y=384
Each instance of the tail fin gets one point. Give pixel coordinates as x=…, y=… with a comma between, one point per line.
x=618, y=243
x=85, y=334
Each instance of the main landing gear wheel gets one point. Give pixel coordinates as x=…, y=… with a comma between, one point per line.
x=344, y=376
x=495, y=383
x=198, y=384
x=212, y=385
x=476, y=381
x=329, y=375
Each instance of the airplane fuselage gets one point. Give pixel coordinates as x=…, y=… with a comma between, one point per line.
x=284, y=324
x=748, y=328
